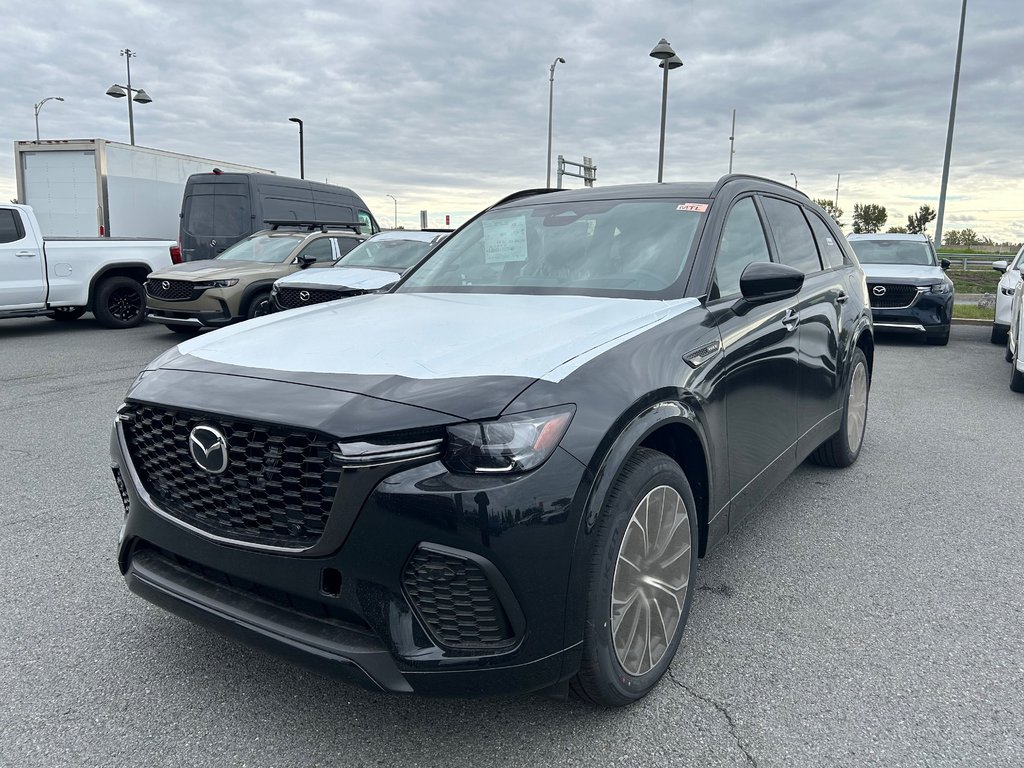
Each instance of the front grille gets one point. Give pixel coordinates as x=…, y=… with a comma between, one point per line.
x=125, y=498
x=169, y=290
x=456, y=600
x=277, y=488
x=292, y=298
x=896, y=296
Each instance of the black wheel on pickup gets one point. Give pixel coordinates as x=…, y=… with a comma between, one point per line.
x=66, y=314
x=120, y=302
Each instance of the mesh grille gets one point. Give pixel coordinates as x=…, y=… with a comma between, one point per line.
x=277, y=489
x=291, y=298
x=456, y=600
x=895, y=296
x=169, y=290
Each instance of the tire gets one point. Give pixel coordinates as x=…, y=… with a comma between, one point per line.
x=999, y=335
x=66, y=314
x=1016, y=377
x=615, y=669
x=259, y=305
x=120, y=302
x=1007, y=354
x=940, y=340
x=186, y=331
x=843, y=448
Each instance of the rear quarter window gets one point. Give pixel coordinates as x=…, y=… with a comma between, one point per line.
x=831, y=252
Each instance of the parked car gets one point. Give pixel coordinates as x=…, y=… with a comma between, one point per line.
x=504, y=481
x=1015, y=333
x=62, y=278
x=236, y=284
x=219, y=209
x=908, y=285
x=374, y=265
x=1009, y=283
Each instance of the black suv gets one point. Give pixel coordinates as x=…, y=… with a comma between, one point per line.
x=503, y=479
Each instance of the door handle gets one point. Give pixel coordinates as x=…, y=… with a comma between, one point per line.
x=843, y=297
x=24, y=254
x=791, y=320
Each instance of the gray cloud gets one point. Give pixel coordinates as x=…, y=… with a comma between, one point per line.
x=444, y=104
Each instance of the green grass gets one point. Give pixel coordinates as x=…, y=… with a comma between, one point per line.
x=974, y=282
x=962, y=249
x=973, y=312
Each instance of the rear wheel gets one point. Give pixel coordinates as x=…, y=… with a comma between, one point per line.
x=66, y=314
x=640, y=587
x=120, y=303
x=1016, y=377
x=843, y=448
x=259, y=306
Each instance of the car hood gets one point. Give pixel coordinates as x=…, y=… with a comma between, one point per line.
x=216, y=269
x=468, y=355
x=903, y=272
x=353, y=278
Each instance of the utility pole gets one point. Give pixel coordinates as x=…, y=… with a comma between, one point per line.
x=732, y=140
x=837, y=190
x=949, y=130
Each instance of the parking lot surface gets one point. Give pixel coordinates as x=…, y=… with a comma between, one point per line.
x=869, y=616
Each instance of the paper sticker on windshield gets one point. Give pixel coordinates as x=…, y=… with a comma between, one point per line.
x=505, y=240
x=696, y=207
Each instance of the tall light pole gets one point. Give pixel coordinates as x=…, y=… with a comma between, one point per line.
x=949, y=130
x=551, y=102
x=668, y=60
x=796, y=184
x=396, y=208
x=120, y=91
x=732, y=140
x=40, y=106
x=302, y=150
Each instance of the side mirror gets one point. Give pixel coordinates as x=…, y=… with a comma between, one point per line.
x=1000, y=266
x=304, y=261
x=944, y=263
x=766, y=281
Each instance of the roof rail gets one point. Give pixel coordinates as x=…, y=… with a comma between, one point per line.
x=323, y=226
x=525, y=193
x=740, y=176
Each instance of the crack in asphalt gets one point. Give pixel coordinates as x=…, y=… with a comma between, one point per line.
x=733, y=731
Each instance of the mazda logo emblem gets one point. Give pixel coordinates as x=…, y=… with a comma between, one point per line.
x=166, y=285
x=304, y=295
x=878, y=290
x=209, y=449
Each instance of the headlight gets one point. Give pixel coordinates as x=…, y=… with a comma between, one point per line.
x=515, y=443
x=1007, y=291
x=216, y=283
x=942, y=287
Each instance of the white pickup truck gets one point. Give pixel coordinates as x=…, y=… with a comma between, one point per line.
x=63, y=278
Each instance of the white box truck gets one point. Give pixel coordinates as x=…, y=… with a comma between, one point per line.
x=90, y=187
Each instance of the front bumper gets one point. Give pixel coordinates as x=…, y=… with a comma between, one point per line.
x=209, y=310
x=364, y=627
x=930, y=313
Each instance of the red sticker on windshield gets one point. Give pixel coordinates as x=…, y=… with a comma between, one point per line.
x=697, y=207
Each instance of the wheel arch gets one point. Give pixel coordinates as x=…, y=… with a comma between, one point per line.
x=252, y=291
x=137, y=271
x=866, y=343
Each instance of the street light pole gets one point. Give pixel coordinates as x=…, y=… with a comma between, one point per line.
x=302, y=150
x=551, y=102
x=949, y=130
x=669, y=60
x=38, y=107
x=396, y=208
x=120, y=91
x=732, y=140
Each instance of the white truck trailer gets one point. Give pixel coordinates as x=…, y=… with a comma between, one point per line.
x=95, y=187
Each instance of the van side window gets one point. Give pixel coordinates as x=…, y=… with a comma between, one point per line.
x=11, y=229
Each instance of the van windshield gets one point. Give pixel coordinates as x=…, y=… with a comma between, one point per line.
x=268, y=249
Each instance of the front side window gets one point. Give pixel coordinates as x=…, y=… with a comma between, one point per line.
x=792, y=235
x=627, y=248
x=268, y=249
x=743, y=242
x=368, y=226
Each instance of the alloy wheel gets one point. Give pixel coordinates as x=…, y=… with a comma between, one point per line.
x=124, y=304
x=857, y=408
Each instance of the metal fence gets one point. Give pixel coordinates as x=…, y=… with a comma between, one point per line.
x=974, y=262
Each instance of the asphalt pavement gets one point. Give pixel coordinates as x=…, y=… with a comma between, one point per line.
x=863, y=617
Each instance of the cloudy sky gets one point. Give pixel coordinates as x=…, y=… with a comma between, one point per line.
x=444, y=104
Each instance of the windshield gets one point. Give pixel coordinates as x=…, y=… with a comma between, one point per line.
x=268, y=249
x=386, y=254
x=629, y=248
x=893, y=252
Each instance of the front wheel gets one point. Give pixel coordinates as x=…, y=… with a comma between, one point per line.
x=999, y=335
x=120, y=303
x=259, y=306
x=940, y=339
x=843, y=448
x=641, y=578
x=66, y=314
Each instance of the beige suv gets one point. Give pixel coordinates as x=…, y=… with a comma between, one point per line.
x=236, y=284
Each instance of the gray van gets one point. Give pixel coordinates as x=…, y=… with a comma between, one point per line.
x=219, y=209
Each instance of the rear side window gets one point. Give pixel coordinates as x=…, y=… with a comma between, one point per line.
x=346, y=244
x=743, y=242
x=792, y=235
x=11, y=229
x=831, y=254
